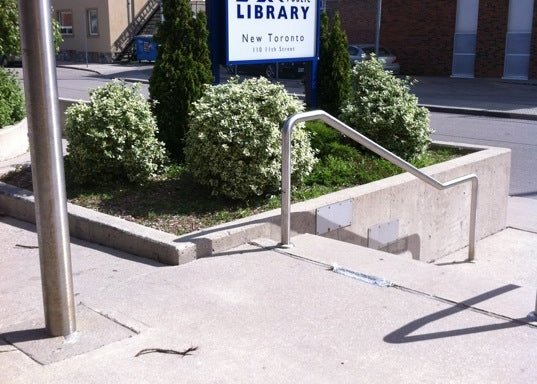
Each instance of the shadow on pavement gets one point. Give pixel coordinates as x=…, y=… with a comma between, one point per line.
x=403, y=334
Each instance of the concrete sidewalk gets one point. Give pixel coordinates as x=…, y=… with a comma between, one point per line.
x=481, y=96
x=262, y=315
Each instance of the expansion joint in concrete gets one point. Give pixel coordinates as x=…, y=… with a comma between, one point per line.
x=463, y=306
x=107, y=316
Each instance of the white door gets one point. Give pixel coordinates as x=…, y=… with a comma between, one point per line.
x=464, y=42
x=518, y=40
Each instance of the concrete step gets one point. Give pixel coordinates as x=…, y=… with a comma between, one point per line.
x=482, y=292
x=522, y=214
x=509, y=255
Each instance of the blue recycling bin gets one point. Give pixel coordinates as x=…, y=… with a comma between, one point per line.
x=146, y=48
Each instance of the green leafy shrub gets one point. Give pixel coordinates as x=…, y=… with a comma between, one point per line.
x=10, y=33
x=11, y=99
x=327, y=141
x=234, y=142
x=382, y=108
x=112, y=137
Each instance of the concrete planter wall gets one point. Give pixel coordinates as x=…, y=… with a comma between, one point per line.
x=432, y=223
x=64, y=104
x=14, y=140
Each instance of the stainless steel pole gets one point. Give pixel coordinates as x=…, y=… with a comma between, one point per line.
x=39, y=69
x=377, y=29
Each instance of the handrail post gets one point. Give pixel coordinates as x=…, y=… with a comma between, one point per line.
x=473, y=219
x=535, y=311
x=532, y=316
x=286, y=184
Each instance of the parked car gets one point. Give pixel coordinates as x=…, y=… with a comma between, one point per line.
x=360, y=52
x=293, y=70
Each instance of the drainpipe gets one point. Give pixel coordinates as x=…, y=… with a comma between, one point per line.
x=129, y=11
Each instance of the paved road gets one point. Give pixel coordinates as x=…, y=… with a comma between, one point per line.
x=76, y=84
x=519, y=135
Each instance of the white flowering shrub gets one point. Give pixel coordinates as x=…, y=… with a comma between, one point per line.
x=112, y=137
x=234, y=141
x=382, y=108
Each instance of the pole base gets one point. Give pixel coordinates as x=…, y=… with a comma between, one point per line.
x=286, y=246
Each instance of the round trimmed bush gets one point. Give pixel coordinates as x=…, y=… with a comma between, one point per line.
x=112, y=137
x=382, y=108
x=234, y=142
x=12, y=108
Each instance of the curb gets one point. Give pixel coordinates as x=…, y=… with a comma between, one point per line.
x=113, y=232
x=479, y=112
x=131, y=80
x=79, y=69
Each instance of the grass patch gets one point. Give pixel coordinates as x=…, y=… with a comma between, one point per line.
x=174, y=203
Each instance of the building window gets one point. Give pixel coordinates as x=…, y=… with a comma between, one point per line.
x=93, y=22
x=197, y=6
x=65, y=19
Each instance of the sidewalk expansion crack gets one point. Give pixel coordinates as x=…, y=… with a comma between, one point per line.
x=389, y=284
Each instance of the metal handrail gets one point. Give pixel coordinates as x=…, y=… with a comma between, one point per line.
x=372, y=146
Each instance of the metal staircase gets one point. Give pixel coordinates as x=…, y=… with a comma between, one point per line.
x=123, y=46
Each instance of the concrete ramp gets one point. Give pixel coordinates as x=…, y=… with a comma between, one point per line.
x=501, y=282
x=258, y=314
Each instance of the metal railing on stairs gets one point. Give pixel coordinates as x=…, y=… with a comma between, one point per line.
x=125, y=39
x=374, y=147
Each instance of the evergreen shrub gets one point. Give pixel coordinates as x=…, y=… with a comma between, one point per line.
x=12, y=108
x=234, y=142
x=113, y=137
x=182, y=67
x=334, y=78
x=382, y=108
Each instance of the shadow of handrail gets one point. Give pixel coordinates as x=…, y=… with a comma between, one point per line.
x=404, y=334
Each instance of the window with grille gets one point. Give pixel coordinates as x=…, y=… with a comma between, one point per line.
x=65, y=19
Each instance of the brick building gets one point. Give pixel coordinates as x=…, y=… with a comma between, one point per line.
x=459, y=38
